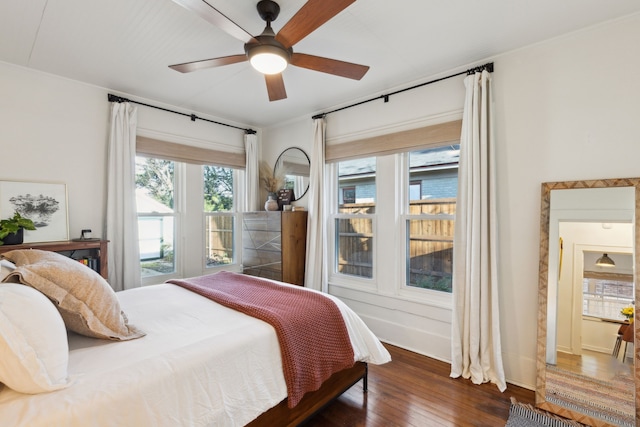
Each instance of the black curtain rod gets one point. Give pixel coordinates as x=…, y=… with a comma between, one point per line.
x=479, y=69
x=193, y=117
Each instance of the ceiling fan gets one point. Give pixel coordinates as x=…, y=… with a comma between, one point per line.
x=270, y=53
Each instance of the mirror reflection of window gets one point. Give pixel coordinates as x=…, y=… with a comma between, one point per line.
x=294, y=164
x=606, y=293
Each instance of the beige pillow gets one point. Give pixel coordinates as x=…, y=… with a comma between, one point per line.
x=86, y=301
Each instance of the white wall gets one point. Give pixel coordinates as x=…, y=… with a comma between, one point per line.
x=566, y=109
x=56, y=130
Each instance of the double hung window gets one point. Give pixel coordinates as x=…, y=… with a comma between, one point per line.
x=155, y=198
x=187, y=208
x=393, y=211
x=220, y=219
x=433, y=184
x=354, y=222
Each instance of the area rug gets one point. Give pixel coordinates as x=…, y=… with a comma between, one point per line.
x=611, y=400
x=525, y=415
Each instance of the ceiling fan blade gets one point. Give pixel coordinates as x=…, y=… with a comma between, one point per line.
x=310, y=16
x=212, y=15
x=329, y=66
x=275, y=87
x=188, y=67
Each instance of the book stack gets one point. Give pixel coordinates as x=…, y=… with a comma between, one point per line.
x=91, y=262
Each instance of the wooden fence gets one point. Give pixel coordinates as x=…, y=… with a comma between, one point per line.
x=430, y=243
x=219, y=240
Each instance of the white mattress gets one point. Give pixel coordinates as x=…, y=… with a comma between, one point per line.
x=200, y=364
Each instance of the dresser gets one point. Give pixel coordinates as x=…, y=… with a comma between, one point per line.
x=274, y=245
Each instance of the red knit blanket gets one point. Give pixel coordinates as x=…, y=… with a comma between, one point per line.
x=313, y=338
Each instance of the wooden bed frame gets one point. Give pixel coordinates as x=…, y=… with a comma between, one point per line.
x=312, y=402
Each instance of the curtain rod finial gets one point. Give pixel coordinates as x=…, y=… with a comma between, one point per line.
x=115, y=98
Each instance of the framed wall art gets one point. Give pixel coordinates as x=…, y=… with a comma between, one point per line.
x=42, y=202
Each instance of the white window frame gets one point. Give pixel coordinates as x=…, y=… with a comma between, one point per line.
x=179, y=172
x=395, y=209
x=442, y=299
x=340, y=279
x=238, y=207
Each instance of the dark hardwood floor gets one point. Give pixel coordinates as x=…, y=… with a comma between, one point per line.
x=414, y=390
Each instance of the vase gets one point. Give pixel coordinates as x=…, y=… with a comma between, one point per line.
x=18, y=237
x=271, y=204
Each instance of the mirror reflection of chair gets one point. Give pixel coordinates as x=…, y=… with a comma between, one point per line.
x=621, y=331
x=625, y=334
x=627, y=337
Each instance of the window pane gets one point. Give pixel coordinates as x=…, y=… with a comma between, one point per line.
x=354, y=240
x=605, y=298
x=156, y=224
x=218, y=188
x=430, y=253
x=219, y=228
x=433, y=173
x=432, y=190
x=155, y=240
x=154, y=185
x=357, y=186
x=219, y=231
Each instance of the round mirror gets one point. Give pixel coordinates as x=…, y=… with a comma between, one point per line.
x=294, y=164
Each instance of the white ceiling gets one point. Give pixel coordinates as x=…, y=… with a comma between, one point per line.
x=127, y=45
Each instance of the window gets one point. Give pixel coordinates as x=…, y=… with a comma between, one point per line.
x=604, y=297
x=348, y=195
x=354, y=223
x=155, y=183
x=187, y=207
x=218, y=212
x=415, y=190
x=432, y=191
x=392, y=205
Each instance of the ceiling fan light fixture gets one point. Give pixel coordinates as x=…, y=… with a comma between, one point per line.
x=605, y=261
x=268, y=59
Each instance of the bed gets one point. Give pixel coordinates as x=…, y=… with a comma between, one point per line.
x=190, y=361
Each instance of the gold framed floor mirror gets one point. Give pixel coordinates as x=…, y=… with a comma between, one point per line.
x=580, y=375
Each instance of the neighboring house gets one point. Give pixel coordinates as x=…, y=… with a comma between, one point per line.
x=152, y=230
x=433, y=176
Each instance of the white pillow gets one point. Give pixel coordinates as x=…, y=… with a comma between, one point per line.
x=34, y=352
x=6, y=267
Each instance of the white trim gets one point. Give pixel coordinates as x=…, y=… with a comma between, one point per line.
x=396, y=127
x=192, y=142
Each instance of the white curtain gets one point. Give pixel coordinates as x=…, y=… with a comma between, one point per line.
x=315, y=269
x=122, y=221
x=475, y=343
x=251, y=172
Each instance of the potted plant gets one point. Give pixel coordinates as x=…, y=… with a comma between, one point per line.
x=12, y=229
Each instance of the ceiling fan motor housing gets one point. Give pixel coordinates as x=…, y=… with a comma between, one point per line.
x=267, y=44
x=268, y=10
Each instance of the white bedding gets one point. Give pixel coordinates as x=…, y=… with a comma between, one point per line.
x=200, y=364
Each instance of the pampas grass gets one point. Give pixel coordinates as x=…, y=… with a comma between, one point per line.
x=270, y=181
